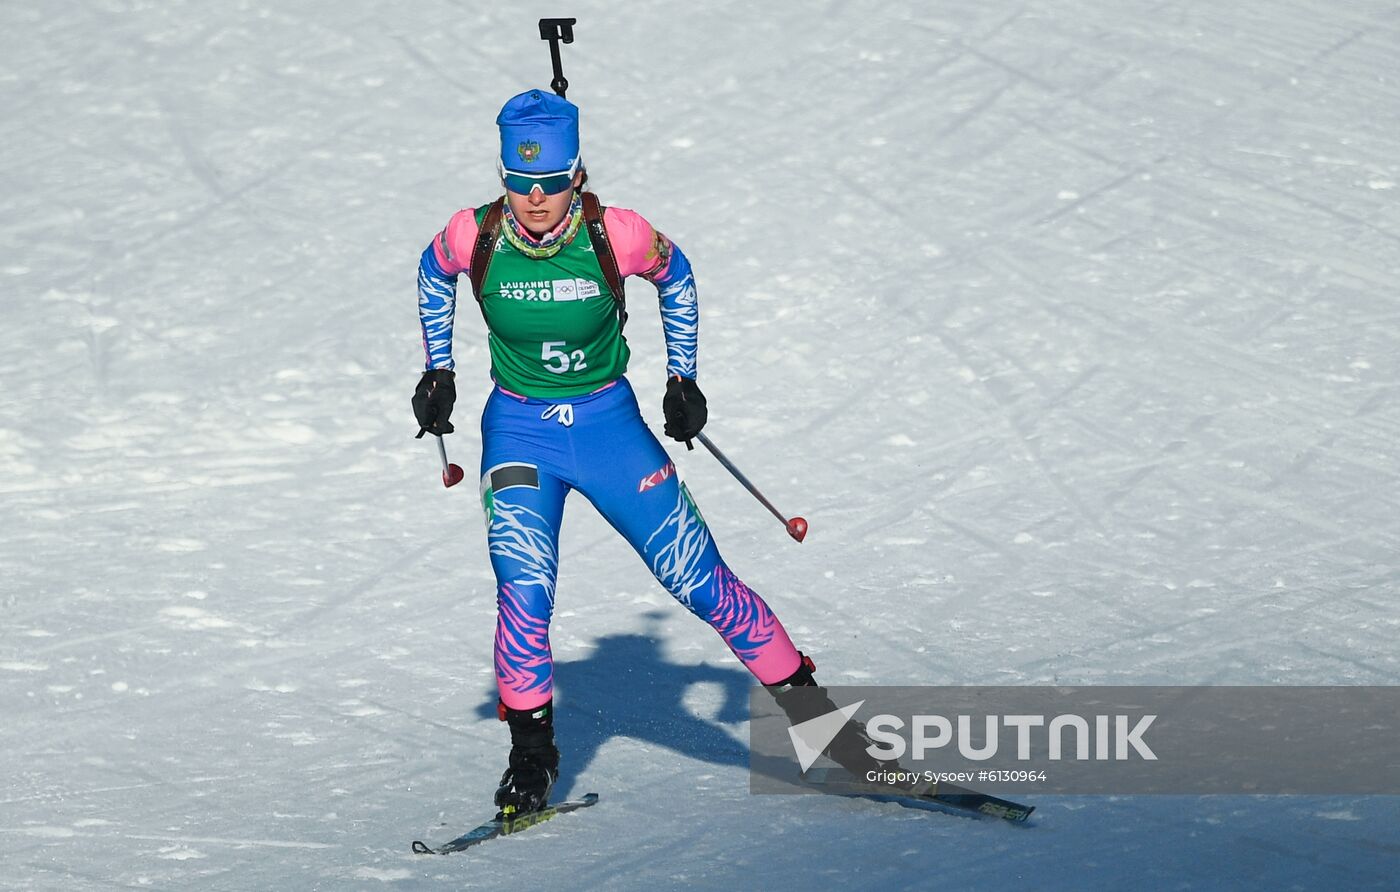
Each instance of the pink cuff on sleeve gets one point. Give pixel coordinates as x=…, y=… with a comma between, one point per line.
x=453, y=246
x=633, y=241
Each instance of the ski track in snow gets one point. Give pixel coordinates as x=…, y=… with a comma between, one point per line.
x=1069, y=326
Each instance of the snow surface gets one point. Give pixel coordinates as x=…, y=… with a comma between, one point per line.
x=1071, y=327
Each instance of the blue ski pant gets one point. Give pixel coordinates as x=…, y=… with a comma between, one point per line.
x=533, y=453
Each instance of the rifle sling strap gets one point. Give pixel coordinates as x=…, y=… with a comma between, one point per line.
x=485, y=245
x=602, y=248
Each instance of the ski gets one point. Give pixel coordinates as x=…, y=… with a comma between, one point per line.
x=837, y=780
x=503, y=825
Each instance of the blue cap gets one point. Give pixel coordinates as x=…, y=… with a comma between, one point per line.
x=539, y=133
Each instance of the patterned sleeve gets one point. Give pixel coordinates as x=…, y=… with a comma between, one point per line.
x=442, y=262
x=437, y=304
x=643, y=251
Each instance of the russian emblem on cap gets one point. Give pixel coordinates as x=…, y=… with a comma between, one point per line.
x=529, y=151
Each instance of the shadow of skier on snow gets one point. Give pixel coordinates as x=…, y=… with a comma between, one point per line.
x=626, y=688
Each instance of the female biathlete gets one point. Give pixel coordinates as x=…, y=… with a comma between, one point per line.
x=562, y=416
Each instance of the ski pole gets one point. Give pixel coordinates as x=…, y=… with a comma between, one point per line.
x=796, y=527
x=555, y=30
x=451, y=474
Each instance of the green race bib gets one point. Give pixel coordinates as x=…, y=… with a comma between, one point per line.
x=553, y=322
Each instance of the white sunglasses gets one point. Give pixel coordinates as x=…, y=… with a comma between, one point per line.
x=548, y=183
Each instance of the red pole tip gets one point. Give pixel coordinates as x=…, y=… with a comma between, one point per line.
x=797, y=528
x=453, y=475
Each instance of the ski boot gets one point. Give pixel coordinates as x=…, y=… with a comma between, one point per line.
x=534, y=760
x=849, y=747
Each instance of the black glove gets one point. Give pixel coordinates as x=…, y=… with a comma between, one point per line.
x=432, y=402
x=683, y=408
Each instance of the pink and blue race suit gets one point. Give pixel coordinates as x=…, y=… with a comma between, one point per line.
x=538, y=447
